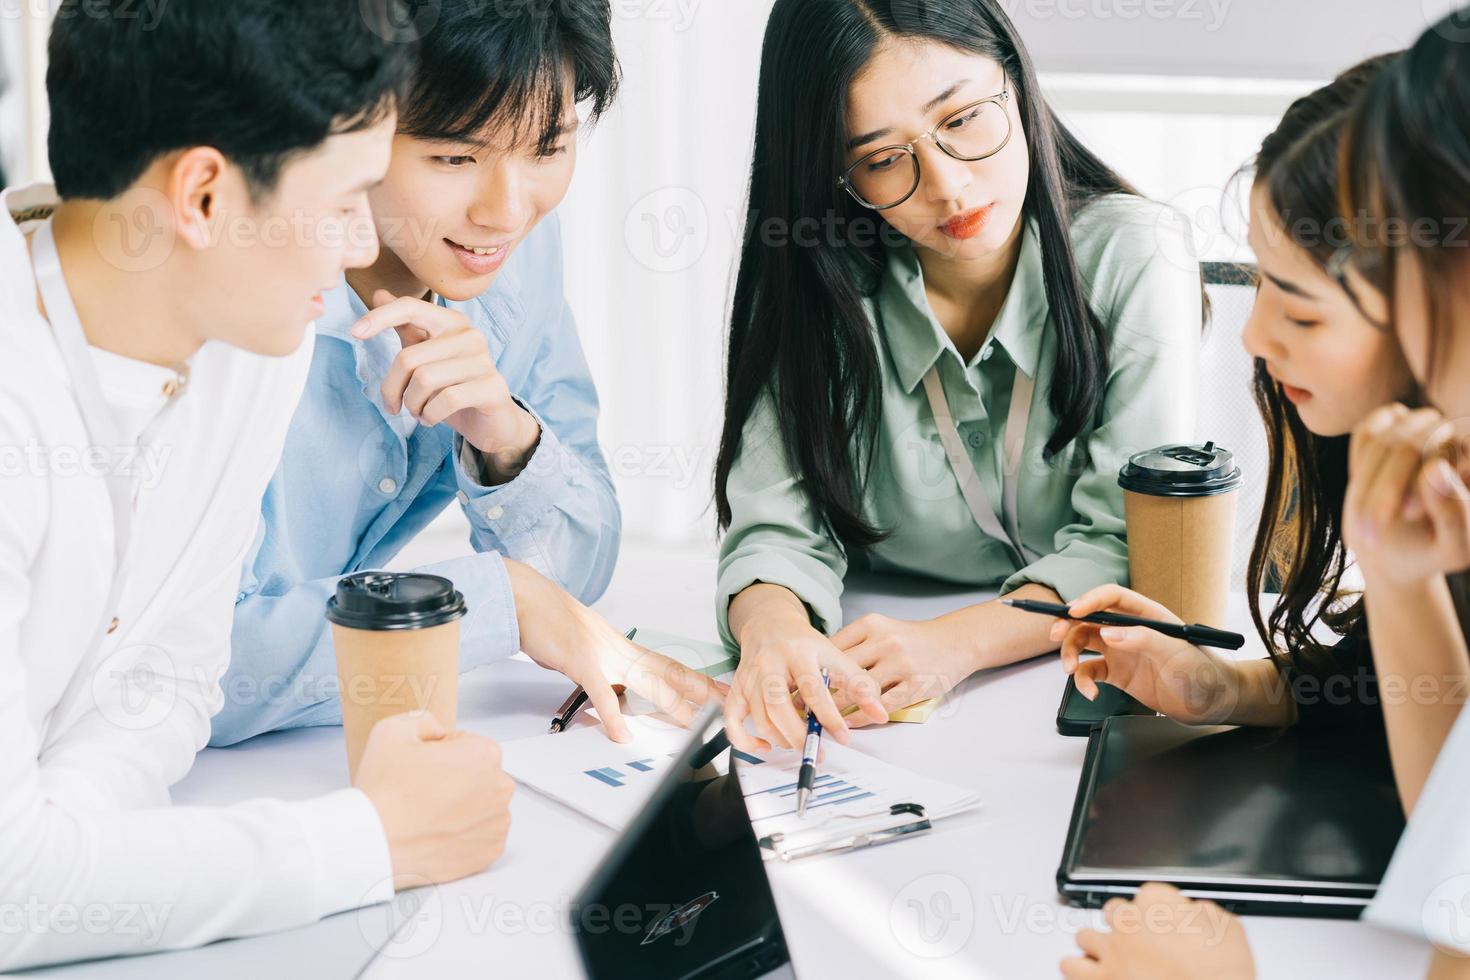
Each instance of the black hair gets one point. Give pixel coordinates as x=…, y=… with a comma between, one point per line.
x=1405, y=184
x=1299, y=542
x=486, y=70
x=1406, y=164
x=258, y=80
x=799, y=331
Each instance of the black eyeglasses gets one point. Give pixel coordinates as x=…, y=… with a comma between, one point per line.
x=889, y=176
x=1337, y=268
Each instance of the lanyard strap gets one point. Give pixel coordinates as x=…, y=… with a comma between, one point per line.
x=963, y=466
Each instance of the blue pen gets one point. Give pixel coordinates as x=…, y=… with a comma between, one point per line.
x=808, y=775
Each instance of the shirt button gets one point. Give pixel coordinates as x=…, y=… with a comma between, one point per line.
x=112, y=627
x=464, y=498
x=985, y=354
x=388, y=486
x=494, y=513
x=977, y=440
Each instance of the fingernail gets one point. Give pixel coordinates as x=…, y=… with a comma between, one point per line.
x=1442, y=477
x=1114, y=634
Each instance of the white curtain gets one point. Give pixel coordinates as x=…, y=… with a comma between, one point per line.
x=652, y=224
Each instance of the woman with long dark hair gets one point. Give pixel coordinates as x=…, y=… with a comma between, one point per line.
x=917, y=209
x=1400, y=508
x=1324, y=364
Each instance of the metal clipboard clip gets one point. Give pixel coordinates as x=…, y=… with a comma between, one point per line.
x=899, y=821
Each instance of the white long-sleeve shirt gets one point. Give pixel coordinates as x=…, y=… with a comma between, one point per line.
x=1426, y=891
x=95, y=728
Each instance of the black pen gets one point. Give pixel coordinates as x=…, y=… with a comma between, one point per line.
x=1203, y=636
x=807, y=778
x=574, y=703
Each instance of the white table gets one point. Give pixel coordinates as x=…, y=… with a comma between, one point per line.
x=977, y=898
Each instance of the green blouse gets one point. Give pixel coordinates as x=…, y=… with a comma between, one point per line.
x=1143, y=280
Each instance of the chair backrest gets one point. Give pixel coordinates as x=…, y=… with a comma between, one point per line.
x=1227, y=411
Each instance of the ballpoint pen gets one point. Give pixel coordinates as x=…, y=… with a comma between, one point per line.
x=1203, y=636
x=808, y=775
x=574, y=703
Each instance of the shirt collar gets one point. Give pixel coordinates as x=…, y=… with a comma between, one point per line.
x=915, y=339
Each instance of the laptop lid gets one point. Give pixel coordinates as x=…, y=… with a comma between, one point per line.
x=1261, y=813
x=683, y=893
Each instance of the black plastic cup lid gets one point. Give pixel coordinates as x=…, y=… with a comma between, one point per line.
x=394, y=601
x=1182, y=471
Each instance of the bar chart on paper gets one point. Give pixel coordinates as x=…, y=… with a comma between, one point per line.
x=634, y=769
x=828, y=792
x=852, y=789
x=584, y=770
x=610, y=782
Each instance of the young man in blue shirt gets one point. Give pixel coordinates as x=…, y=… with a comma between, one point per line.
x=450, y=371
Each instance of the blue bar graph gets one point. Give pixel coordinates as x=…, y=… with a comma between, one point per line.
x=827, y=790
x=608, y=775
x=615, y=777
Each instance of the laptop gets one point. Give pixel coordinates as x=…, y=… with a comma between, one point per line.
x=1287, y=822
x=683, y=893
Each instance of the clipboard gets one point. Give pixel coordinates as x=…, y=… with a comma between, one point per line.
x=898, y=822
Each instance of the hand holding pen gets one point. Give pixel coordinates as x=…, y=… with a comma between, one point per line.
x=1204, y=636
x=1174, y=676
x=807, y=778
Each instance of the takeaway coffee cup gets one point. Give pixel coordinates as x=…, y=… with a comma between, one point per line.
x=397, y=641
x=1180, y=504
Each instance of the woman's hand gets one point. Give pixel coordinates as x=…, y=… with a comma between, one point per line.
x=1173, y=677
x=909, y=661
x=1406, y=516
x=781, y=652
x=1162, y=935
x=561, y=634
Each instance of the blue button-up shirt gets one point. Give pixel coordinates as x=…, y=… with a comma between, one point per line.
x=357, y=483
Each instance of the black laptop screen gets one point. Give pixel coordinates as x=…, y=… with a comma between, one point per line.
x=1234, y=807
x=683, y=893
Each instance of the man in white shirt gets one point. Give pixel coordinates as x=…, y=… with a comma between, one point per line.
x=212, y=170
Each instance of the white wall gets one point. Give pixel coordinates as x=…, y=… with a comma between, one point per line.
x=1303, y=39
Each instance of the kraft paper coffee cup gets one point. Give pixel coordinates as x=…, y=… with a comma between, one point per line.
x=1180, y=502
x=397, y=641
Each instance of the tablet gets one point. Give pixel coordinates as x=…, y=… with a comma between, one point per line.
x=1263, y=821
x=683, y=893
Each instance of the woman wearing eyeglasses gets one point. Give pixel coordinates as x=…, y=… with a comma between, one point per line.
x=952, y=324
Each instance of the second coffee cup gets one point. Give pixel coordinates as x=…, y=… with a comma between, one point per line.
x=397, y=642
x=1179, y=503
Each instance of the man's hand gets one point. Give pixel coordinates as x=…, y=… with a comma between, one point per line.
x=561, y=634
x=442, y=797
x=445, y=374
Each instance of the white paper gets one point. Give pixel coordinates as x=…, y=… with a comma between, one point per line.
x=611, y=782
